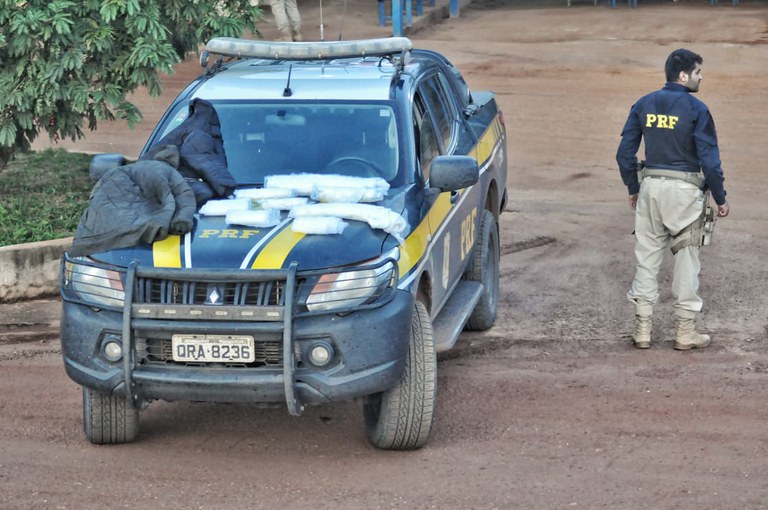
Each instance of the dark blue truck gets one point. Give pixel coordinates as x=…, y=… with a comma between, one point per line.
x=288, y=313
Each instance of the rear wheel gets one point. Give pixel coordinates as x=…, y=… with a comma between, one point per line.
x=109, y=419
x=484, y=268
x=401, y=417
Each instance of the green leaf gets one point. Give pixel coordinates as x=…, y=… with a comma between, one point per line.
x=7, y=135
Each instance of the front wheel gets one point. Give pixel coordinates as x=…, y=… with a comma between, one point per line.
x=484, y=268
x=109, y=419
x=401, y=417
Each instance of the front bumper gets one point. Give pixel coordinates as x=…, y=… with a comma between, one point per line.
x=369, y=345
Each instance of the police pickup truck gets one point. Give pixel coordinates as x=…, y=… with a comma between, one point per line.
x=279, y=315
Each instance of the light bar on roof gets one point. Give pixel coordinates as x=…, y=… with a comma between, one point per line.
x=318, y=50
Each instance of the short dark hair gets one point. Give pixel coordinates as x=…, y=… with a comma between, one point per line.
x=681, y=60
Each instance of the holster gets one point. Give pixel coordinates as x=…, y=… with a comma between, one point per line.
x=700, y=232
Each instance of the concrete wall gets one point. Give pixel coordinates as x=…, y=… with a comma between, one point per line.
x=30, y=271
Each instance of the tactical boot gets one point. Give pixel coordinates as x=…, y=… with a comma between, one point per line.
x=642, y=335
x=687, y=336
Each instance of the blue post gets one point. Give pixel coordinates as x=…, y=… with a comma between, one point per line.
x=408, y=13
x=382, y=13
x=397, y=18
x=454, y=9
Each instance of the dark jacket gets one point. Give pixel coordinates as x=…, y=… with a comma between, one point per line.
x=679, y=134
x=138, y=203
x=203, y=162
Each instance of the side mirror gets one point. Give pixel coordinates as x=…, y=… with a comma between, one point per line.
x=452, y=173
x=102, y=163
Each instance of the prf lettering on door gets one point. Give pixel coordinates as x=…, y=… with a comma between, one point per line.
x=468, y=233
x=661, y=121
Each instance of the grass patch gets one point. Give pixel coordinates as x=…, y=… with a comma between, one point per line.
x=42, y=196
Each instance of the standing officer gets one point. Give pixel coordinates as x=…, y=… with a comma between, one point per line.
x=682, y=161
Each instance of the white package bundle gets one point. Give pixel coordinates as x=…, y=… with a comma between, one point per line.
x=319, y=225
x=222, y=207
x=304, y=183
x=260, y=193
x=349, y=195
x=278, y=203
x=375, y=215
x=262, y=218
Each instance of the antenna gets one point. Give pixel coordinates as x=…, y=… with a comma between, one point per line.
x=343, y=12
x=322, y=36
x=287, y=92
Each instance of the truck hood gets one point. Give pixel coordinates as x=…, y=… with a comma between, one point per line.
x=214, y=244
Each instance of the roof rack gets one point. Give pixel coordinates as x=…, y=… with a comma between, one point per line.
x=317, y=50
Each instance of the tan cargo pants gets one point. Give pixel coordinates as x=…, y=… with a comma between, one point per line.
x=287, y=18
x=665, y=207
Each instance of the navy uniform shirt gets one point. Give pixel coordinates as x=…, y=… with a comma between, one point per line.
x=679, y=134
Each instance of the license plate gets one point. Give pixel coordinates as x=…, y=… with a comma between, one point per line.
x=213, y=348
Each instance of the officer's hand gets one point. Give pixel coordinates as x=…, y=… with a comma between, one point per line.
x=633, y=201
x=723, y=210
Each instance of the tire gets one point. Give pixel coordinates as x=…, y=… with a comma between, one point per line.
x=109, y=419
x=401, y=417
x=484, y=268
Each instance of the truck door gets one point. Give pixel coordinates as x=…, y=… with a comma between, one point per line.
x=452, y=216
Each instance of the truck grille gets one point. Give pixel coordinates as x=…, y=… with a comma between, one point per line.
x=164, y=291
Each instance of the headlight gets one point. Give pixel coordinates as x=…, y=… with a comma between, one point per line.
x=353, y=288
x=95, y=285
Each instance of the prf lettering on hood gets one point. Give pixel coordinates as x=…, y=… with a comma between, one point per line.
x=661, y=121
x=228, y=233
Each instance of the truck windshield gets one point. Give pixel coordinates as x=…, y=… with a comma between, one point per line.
x=269, y=138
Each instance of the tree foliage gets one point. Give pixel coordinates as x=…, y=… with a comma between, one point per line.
x=66, y=63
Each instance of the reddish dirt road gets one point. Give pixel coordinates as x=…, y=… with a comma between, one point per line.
x=552, y=408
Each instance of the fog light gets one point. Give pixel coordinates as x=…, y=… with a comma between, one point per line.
x=320, y=354
x=112, y=348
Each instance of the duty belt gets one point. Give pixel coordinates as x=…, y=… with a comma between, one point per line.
x=693, y=177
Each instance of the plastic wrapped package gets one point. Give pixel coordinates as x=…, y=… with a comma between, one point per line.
x=222, y=207
x=349, y=195
x=260, y=218
x=304, y=183
x=261, y=193
x=375, y=215
x=319, y=225
x=284, y=204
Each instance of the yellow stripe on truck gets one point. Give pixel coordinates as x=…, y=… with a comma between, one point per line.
x=167, y=253
x=487, y=142
x=273, y=255
x=412, y=250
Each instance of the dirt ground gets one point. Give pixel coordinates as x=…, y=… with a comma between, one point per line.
x=550, y=409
